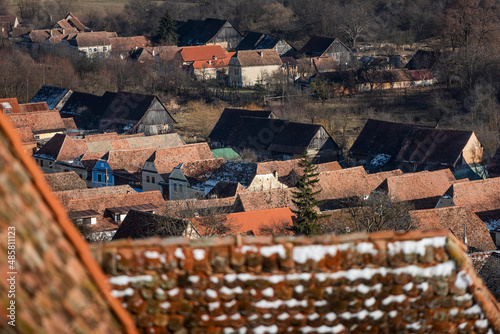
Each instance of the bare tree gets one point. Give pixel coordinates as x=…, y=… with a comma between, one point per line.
x=355, y=19
x=377, y=213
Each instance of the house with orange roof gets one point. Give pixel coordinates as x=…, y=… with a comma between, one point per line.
x=422, y=190
x=480, y=196
x=157, y=168
x=122, y=47
x=212, y=69
x=70, y=21
x=259, y=222
x=121, y=167
x=252, y=67
x=99, y=217
x=461, y=221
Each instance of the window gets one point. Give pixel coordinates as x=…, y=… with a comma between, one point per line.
x=147, y=178
x=8, y=111
x=105, y=48
x=175, y=186
x=236, y=71
x=180, y=187
x=90, y=49
x=153, y=179
x=95, y=49
x=99, y=177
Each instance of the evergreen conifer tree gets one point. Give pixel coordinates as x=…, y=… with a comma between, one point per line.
x=306, y=222
x=167, y=30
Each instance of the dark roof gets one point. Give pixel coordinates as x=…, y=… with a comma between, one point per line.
x=141, y=225
x=234, y=171
x=423, y=60
x=494, y=165
x=85, y=108
x=50, y=94
x=274, y=135
x=199, y=32
x=257, y=41
x=406, y=141
x=230, y=117
x=316, y=46
x=223, y=189
x=129, y=106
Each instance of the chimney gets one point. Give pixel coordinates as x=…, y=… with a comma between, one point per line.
x=261, y=53
x=64, y=31
x=51, y=33
x=153, y=52
x=209, y=62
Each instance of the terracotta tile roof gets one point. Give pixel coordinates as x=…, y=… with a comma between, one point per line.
x=39, y=122
x=142, y=225
x=224, y=62
x=263, y=200
x=480, y=195
x=59, y=287
x=202, y=52
x=455, y=219
x=69, y=123
x=67, y=195
x=382, y=282
x=343, y=183
x=197, y=172
x=248, y=58
x=166, y=159
x=94, y=38
x=252, y=221
x=424, y=189
x=61, y=147
x=9, y=104
x=40, y=36
x=26, y=135
x=33, y=107
x=376, y=179
x=101, y=203
x=129, y=161
x=65, y=181
x=71, y=21
x=125, y=44
x=166, y=54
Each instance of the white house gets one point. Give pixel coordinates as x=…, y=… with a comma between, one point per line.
x=250, y=67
